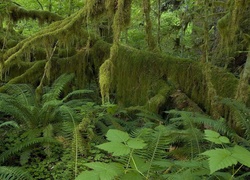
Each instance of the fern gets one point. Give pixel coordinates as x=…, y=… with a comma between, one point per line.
x=132, y=152
x=14, y=173
x=9, y=123
x=242, y=115
x=244, y=176
x=23, y=93
x=76, y=92
x=40, y=121
x=57, y=87
x=77, y=143
x=21, y=113
x=150, y=116
x=187, y=131
x=19, y=147
x=158, y=140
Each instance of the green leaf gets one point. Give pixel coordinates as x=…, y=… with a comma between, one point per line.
x=219, y=159
x=163, y=163
x=117, y=135
x=104, y=171
x=210, y=133
x=24, y=158
x=142, y=164
x=215, y=137
x=136, y=143
x=224, y=139
x=132, y=175
x=242, y=155
x=223, y=175
x=118, y=149
x=91, y=175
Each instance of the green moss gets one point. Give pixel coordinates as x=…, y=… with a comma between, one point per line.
x=163, y=90
x=138, y=78
x=18, y=13
x=231, y=31
x=105, y=79
x=148, y=28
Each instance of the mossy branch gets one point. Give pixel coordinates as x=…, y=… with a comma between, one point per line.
x=56, y=30
x=17, y=13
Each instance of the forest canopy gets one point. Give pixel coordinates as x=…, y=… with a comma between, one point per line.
x=74, y=74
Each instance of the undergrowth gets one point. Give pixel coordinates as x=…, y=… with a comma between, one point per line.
x=68, y=135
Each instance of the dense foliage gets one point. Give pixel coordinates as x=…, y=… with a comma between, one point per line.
x=124, y=89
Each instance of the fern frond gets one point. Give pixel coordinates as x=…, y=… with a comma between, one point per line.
x=67, y=128
x=23, y=93
x=9, y=123
x=79, y=104
x=77, y=92
x=48, y=131
x=78, y=143
x=14, y=173
x=57, y=87
x=244, y=176
x=185, y=174
x=150, y=116
x=69, y=114
x=188, y=169
x=19, y=147
x=200, y=119
x=10, y=106
x=158, y=141
x=49, y=112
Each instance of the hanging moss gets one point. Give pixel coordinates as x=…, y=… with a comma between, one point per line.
x=138, y=78
x=105, y=79
x=110, y=6
x=231, y=33
x=94, y=9
x=242, y=93
x=120, y=21
x=33, y=74
x=60, y=30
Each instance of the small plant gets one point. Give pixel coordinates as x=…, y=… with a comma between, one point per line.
x=220, y=158
x=40, y=120
x=121, y=144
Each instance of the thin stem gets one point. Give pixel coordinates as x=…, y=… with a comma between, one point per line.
x=236, y=171
x=137, y=167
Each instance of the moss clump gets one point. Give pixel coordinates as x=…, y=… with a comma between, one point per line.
x=105, y=79
x=120, y=21
x=163, y=90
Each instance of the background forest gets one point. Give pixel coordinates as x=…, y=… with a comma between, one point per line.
x=124, y=89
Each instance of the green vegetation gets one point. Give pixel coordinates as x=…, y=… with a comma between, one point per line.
x=124, y=89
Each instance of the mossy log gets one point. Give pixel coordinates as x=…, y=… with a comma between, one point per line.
x=140, y=77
